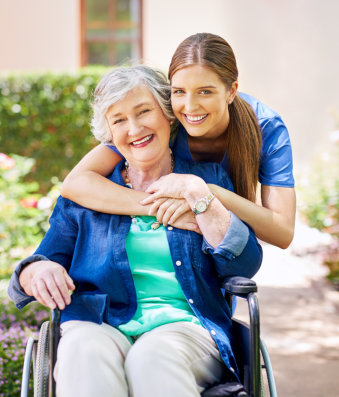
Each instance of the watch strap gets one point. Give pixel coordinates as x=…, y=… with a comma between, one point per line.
x=206, y=200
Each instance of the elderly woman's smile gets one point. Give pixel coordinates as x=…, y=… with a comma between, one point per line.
x=143, y=141
x=140, y=130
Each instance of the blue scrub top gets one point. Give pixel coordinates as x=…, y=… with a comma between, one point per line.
x=276, y=163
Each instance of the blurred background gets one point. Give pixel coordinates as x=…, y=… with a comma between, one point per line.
x=52, y=54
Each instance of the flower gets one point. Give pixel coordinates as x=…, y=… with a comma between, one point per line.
x=6, y=162
x=29, y=202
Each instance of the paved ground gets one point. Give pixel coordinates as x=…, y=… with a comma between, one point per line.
x=299, y=323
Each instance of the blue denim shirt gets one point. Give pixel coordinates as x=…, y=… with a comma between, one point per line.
x=91, y=246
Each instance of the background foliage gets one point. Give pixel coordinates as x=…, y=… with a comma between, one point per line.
x=24, y=212
x=24, y=217
x=319, y=203
x=45, y=116
x=15, y=328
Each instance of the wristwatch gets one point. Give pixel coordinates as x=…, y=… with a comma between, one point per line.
x=202, y=204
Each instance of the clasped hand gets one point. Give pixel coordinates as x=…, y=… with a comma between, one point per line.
x=168, y=203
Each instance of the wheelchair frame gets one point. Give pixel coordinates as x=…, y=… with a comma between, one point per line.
x=248, y=347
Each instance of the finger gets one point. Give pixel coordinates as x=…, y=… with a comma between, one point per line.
x=62, y=286
x=42, y=295
x=162, y=209
x=171, y=210
x=70, y=283
x=53, y=290
x=155, y=206
x=181, y=210
x=150, y=199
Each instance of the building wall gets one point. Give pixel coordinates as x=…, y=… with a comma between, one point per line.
x=39, y=34
x=287, y=50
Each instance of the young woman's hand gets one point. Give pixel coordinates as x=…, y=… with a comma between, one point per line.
x=168, y=210
x=187, y=221
x=48, y=282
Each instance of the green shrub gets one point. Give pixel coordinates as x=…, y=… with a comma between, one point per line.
x=23, y=212
x=319, y=193
x=319, y=204
x=46, y=117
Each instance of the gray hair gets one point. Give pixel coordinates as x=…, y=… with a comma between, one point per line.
x=116, y=84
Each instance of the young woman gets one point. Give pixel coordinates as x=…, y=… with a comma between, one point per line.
x=216, y=124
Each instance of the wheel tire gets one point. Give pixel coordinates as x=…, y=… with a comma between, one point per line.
x=41, y=375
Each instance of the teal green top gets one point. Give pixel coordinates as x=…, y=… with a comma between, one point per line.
x=159, y=296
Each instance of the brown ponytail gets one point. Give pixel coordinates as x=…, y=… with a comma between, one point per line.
x=243, y=135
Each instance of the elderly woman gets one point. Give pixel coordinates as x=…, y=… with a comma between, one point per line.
x=146, y=317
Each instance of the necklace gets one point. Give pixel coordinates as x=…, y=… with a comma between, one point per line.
x=155, y=225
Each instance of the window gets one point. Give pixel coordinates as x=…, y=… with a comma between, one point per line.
x=111, y=31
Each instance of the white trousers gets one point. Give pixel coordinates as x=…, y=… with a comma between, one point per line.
x=174, y=360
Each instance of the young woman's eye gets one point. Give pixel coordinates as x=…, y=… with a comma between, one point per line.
x=205, y=92
x=178, y=92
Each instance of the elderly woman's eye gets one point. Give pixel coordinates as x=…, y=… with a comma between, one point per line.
x=117, y=121
x=145, y=111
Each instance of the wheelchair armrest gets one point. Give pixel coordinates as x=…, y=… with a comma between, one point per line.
x=239, y=286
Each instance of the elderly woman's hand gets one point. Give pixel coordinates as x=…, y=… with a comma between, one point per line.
x=172, y=186
x=48, y=282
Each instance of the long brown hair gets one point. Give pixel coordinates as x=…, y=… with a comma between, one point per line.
x=243, y=136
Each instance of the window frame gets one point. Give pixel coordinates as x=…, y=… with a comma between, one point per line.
x=83, y=47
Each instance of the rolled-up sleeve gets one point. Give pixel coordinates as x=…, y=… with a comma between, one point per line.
x=239, y=253
x=15, y=291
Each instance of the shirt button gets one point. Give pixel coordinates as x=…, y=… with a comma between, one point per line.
x=170, y=228
x=232, y=369
x=191, y=301
x=213, y=332
x=178, y=263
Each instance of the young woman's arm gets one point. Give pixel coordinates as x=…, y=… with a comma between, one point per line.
x=86, y=185
x=273, y=222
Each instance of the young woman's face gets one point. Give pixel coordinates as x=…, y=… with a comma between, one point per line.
x=139, y=128
x=200, y=101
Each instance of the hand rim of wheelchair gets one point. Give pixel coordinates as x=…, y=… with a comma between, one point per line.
x=238, y=286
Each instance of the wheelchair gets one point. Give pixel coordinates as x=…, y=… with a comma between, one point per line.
x=250, y=352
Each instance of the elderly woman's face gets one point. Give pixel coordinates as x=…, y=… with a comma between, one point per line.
x=139, y=128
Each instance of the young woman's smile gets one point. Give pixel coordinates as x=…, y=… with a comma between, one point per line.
x=200, y=101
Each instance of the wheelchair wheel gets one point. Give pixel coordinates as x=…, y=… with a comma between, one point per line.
x=41, y=373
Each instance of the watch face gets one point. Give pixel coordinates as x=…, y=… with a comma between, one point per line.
x=201, y=206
